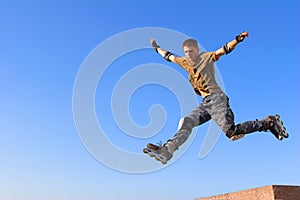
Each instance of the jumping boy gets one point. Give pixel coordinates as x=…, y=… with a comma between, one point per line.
x=215, y=103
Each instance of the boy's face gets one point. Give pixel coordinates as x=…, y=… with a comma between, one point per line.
x=191, y=52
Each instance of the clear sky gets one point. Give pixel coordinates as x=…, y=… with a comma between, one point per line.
x=43, y=49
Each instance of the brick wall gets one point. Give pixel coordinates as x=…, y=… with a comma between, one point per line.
x=272, y=192
x=286, y=192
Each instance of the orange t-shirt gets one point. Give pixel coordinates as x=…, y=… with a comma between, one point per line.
x=201, y=73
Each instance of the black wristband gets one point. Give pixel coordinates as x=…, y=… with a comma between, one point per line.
x=157, y=48
x=239, y=38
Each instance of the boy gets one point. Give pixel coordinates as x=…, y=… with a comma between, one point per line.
x=215, y=103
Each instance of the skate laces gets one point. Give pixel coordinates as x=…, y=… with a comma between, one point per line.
x=159, y=144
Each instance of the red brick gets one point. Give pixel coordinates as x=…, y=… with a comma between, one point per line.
x=272, y=192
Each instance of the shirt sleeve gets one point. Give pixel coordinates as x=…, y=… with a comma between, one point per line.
x=183, y=62
x=211, y=56
x=215, y=57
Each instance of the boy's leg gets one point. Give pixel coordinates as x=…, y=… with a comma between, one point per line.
x=224, y=117
x=271, y=123
x=220, y=111
x=165, y=152
x=239, y=130
x=197, y=117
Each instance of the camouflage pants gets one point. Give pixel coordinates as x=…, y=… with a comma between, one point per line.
x=216, y=107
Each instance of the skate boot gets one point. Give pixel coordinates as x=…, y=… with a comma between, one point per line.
x=275, y=125
x=162, y=153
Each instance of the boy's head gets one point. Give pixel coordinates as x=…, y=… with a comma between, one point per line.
x=191, y=49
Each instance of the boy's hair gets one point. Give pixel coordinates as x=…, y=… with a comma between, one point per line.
x=190, y=42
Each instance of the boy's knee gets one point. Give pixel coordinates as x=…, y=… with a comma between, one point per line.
x=233, y=131
x=229, y=133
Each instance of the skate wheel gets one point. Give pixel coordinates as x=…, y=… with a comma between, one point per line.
x=148, y=151
x=280, y=137
x=157, y=156
x=162, y=160
x=286, y=135
x=277, y=116
x=145, y=150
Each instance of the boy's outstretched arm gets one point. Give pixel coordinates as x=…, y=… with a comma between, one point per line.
x=165, y=54
x=229, y=46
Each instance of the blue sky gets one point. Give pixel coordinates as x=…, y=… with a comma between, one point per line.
x=43, y=46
